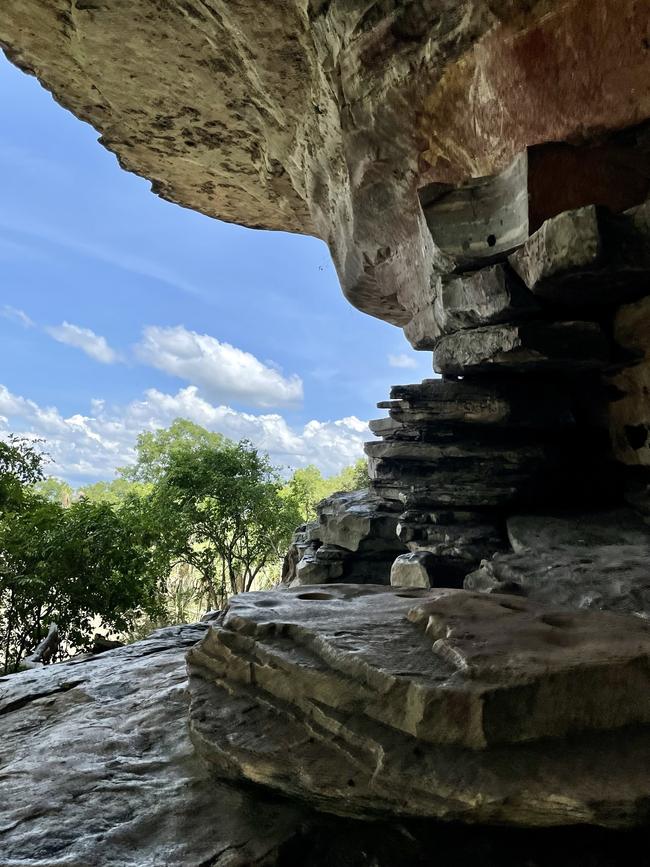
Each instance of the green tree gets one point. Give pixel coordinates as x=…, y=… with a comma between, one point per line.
x=157, y=450
x=222, y=511
x=55, y=490
x=307, y=486
x=114, y=492
x=21, y=466
x=84, y=566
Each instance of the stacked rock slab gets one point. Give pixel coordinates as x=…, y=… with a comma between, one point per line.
x=365, y=701
x=354, y=540
x=518, y=419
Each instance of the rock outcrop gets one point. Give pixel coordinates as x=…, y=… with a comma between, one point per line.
x=430, y=703
x=337, y=118
x=481, y=173
x=354, y=540
x=597, y=561
x=97, y=767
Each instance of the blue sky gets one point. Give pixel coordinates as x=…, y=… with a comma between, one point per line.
x=120, y=312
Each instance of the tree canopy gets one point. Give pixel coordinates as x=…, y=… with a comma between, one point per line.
x=197, y=515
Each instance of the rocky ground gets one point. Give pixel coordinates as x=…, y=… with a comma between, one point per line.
x=97, y=767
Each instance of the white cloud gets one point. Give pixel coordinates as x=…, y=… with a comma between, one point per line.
x=9, y=312
x=402, y=360
x=85, y=448
x=221, y=371
x=85, y=339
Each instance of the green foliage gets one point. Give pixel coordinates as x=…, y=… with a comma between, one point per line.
x=156, y=450
x=308, y=487
x=222, y=511
x=83, y=567
x=55, y=491
x=197, y=518
x=114, y=492
x=21, y=465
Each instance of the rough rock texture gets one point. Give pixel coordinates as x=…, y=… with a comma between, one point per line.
x=452, y=543
x=529, y=347
x=428, y=703
x=116, y=783
x=484, y=297
x=351, y=519
x=584, y=530
x=329, y=117
x=630, y=413
x=598, y=561
x=414, y=570
x=354, y=540
x=96, y=767
x=587, y=257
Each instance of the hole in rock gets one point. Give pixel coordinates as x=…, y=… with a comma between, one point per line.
x=413, y=595
x=491, y=240
x=315, y=596
x=265, y=603
x=561, y=621
x=636, y=435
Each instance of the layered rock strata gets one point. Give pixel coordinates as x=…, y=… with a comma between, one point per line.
x=542, y=359
x=430, y=703
x=354, y=540
x=97, y=767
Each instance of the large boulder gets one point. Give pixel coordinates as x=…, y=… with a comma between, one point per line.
x=430, y=703
x=96, y=767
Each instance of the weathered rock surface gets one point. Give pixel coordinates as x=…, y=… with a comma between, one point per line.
x=630, y=413
x=96, y=767
x=454, y=542
x=482, y=218
x=466, y=474
x=414, y=570
x=484, y=297
x=329, y=117
x=581, y=530
x=354, y=540
x=426, y=410
x=599, y=561
x=522, y=348
x=587, y=257
x=351, y=519
x=364, y=700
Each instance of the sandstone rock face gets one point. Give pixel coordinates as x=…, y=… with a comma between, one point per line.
x=96, y=767
x=451, y=543
x=330, y=117
x=354, y=540
x=413, y=570
x=428, y=703
x=483, y=297
x=350, y=519
x=529, y=347
x=588, y=257
x=598, y=561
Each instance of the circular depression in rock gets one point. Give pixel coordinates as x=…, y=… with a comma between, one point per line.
x=315, y=596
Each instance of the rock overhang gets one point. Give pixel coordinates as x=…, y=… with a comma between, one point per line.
x=328, y=118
